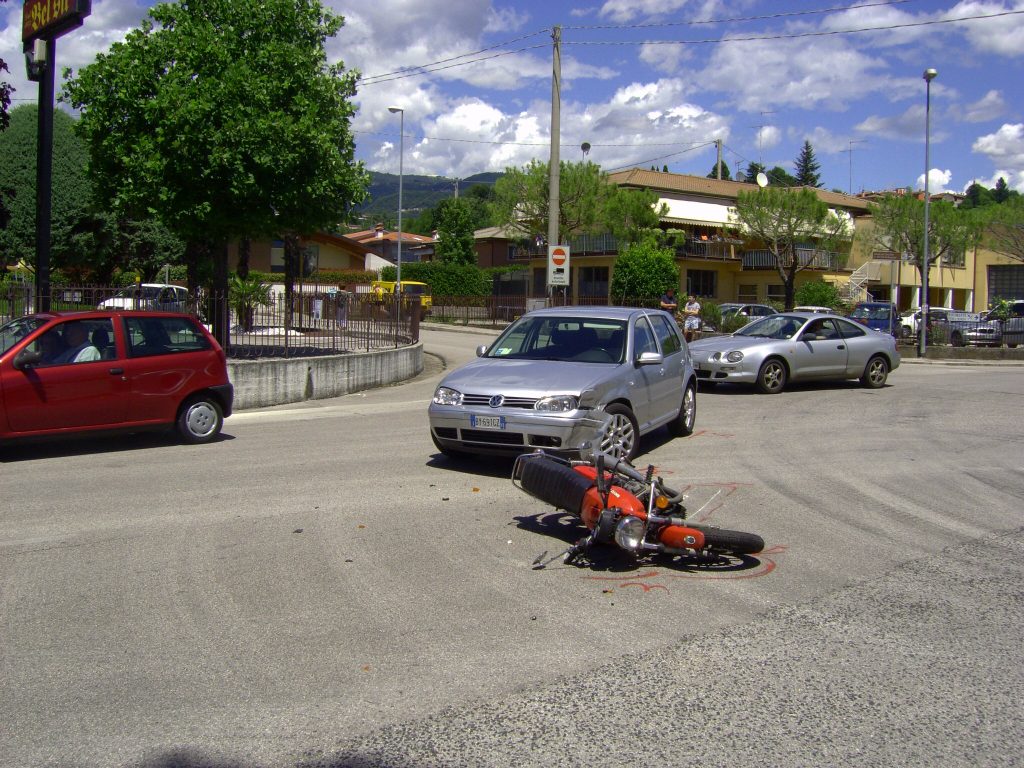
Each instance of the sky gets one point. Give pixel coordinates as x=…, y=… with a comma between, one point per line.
x=655, y=82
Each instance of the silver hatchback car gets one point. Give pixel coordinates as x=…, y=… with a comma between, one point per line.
x=556, y=372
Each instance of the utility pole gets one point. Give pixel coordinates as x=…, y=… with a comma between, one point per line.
x=718, y=165
x=555, y=160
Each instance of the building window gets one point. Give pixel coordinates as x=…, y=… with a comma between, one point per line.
x=777, y=293
x=309, y=259
x=701, y=282
x=593, y=282
x=746, y=293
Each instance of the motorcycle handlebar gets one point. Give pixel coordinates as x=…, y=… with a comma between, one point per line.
x=623, y=467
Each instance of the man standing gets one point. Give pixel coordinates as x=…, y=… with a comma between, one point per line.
x=691, y=326
x=669, y=302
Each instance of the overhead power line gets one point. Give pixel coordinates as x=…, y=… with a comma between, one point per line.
x=797, y=35
x=738, y=19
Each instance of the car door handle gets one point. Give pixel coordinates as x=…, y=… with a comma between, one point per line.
x=840, y=346
x=116, y=371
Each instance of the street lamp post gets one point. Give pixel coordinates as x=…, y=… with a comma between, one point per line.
x=401, y=155
x=922, y=345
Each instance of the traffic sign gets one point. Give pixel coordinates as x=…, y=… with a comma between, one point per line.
x=558, y=265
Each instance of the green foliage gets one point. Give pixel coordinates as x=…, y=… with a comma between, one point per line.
x=225, y=118
x=631, y=214
x=899, y=226
x=752, y=170
x=71, y=194
x=522, y=197
x=344, y=276
x=1005, y=228
x=725, y=171
x=785, y=220
x=643, y=272
x=244, y=295
x=455, y=233
x=780, y=177
x=1002, y=309
x=444, y=279
x=817, y=293
x=807, y=167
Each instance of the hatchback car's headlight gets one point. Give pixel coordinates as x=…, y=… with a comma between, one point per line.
x=735, y=356
x=557, y=404
x=447, y=396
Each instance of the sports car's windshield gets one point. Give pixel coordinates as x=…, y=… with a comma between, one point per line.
x=586, y=340
x=773, y=327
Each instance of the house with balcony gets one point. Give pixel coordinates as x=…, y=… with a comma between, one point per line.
x=714, y=261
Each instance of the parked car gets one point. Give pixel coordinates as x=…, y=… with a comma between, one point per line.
x=796, y=346
x=877, y=315
x=158, y=296
x=68, y=372
x=1009, y=331
x=746, y=310
x=969, y=329
x=910, y=321
x=813, y=308
x=540, y=384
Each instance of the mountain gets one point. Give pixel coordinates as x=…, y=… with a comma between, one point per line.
x=418, y=192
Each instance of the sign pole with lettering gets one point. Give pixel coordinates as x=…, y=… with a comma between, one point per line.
x=43, y=21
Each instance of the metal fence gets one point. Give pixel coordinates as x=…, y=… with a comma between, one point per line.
x=317, y=320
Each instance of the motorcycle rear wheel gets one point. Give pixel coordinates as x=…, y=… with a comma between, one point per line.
x=737, y=542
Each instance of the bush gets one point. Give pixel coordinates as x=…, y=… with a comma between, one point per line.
x=817, y=293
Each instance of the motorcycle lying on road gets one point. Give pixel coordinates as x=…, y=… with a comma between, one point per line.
x=620, y=504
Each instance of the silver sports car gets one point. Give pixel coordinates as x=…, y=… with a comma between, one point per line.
x=555, y=373
x=796, y=346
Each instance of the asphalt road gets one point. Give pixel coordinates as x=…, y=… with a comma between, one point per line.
x=320, y=588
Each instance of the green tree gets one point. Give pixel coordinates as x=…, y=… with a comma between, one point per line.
x=787, y=222
x=71, y=194
x=1005, y=228
x=899, y=226
x=643, y=271
x=817, y=293
x=521, y=198
x=726, y=176
x=588, y=203
x=780, y=177
x=455, y=233
x=225, y=119
x=977, y=196
x=752, y=170
x=807, y=167
x=1001, y=191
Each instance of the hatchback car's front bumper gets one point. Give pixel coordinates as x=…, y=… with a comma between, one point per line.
x=510, y=431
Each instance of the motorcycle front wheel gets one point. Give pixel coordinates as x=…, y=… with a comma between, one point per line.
x=736, y=542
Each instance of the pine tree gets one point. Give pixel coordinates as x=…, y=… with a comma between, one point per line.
x=807, y=167
x=726, y=174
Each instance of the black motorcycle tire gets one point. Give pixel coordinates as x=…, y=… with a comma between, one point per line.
x=737, y=542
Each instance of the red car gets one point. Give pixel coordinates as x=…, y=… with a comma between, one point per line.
x=70, y=372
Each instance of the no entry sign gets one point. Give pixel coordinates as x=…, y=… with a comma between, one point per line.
x=558, y=265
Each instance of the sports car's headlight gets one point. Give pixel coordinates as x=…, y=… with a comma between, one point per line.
x=447, y=396
x=735, y=356
x=557, y=404
x=629, y=533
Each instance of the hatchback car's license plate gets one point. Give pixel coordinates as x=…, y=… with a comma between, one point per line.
x=486, y=422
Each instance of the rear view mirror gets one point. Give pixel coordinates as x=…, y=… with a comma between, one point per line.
x=27, y=358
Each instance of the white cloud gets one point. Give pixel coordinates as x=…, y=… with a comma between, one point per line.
x=938, y=180
x=806, y=74
x=1003, y=36
x=1005, y=148
x=1013, y=179
x=768, y=136
x=988, y=107
x=505, y=20
x=906, y=126
x=627, y=10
